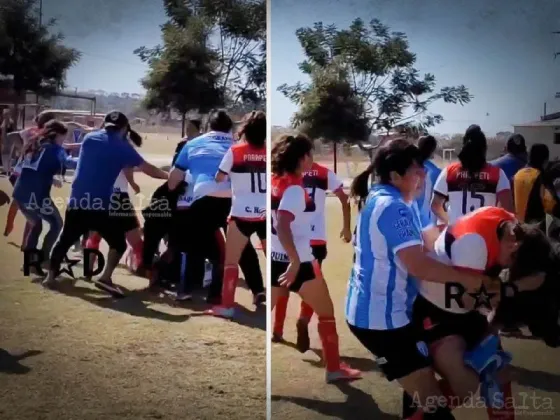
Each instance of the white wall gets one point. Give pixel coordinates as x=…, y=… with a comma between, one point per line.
x=541, y=134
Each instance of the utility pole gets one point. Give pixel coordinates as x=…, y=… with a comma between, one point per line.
x=40, y=24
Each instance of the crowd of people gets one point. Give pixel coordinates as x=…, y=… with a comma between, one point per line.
x=203, y=215
x=423, y=234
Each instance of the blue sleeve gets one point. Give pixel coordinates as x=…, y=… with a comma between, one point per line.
x=182, y=161
x=398, y=224
x=130, y=157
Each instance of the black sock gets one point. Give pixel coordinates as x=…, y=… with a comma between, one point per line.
x=408, y=406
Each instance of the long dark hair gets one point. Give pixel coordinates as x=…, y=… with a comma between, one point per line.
x=48, y=133
x=253, y=127
x=473, y=153
x=395, y=156
x=287, y=151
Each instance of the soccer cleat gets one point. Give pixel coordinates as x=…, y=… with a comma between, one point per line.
x=277, y=338
x=344, y=373
x=303, y=342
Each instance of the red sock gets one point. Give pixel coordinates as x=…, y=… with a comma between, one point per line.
x=329, y=340
x=137, y=250
x=26, y=231
x=508, y=411
x=231, y=274
x=305, y=311
x=93, y=241
x=280, y=310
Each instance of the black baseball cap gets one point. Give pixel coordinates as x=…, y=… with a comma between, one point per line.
x=118, y=120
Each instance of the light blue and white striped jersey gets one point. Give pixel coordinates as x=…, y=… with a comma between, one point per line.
x=380, y=291
x=202, y=156
x=425, y=199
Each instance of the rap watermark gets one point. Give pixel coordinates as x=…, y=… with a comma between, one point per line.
x=34, y=259
x=455, y=292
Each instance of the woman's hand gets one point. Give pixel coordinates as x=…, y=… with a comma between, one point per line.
x=346, y=235
x=289, y=276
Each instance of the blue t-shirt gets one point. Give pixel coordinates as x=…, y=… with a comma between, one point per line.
x=424, y=200
x=202, y=156
x=33, y=186
x=380, y=291
x=103, y=155
x=509, y=164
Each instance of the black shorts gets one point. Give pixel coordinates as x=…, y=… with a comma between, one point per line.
x=78, y=222
x=307, y=271
x=319, y=252
x=399, y=352
x=13, y=179
x=122, y=211
x=248, y=228
x=437, y=323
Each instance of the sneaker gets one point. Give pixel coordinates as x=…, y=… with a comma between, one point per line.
x=344, y=373
x=259, y=299
x=303, y=342
x=183, y=297
x=221, y=312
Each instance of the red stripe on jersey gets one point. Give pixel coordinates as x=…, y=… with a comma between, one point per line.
x=280, y=183
x=484, y=222
x=247, y=158
x=485, y=181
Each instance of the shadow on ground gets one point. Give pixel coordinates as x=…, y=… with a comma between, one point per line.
x=10, y=363
x=357, y=401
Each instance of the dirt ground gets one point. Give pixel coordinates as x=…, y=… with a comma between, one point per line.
x=299, y=390
x=77, y=354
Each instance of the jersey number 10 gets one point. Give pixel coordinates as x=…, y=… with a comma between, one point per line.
x=474, y=196
x=257, y=182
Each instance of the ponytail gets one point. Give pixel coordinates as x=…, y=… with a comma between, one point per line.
x=473, y=154
x=359, y=188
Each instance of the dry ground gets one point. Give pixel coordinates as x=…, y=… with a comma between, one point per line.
x=299, y=391
x=77, y=354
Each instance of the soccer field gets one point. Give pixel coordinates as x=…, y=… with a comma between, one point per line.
x=299, y=390
x=78, y=354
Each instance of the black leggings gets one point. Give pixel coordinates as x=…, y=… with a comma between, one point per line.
x=78, y=222
x=194, y=233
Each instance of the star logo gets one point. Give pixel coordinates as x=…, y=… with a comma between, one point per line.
x=482, y=298
x=66, y=267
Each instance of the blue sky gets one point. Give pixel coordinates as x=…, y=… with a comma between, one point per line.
x=502, y=50
x=107, y=32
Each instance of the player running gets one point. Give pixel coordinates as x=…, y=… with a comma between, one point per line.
x=317, y=181
x=471, y=183
x=293, y=267
x=245, y=165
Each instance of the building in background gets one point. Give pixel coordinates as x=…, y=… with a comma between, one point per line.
x=546, y=130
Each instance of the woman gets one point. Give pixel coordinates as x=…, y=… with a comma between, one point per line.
x=26, y=136
x=210, y=206
x=293, y=267
x=317, y=181
x=7, y=127
x=123, y=209
x=389, y=255
x=245, y=165
x=485, y=241
x=471, y=183
x=42, y=160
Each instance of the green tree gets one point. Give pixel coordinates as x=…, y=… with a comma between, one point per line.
x=183, y=72
x=377, y=69
x=32, y=57
x=229, y=36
